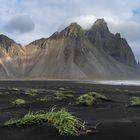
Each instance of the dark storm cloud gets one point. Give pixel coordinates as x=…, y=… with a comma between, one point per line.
x=20, y=24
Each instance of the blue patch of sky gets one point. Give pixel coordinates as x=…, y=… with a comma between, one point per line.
x=136, y=11
x=18, y=1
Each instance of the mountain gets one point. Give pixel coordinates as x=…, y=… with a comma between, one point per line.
x=11, y=55
x=114, y=45
x=73, y=53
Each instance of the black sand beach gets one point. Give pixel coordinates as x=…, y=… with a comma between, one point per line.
x=116, y=119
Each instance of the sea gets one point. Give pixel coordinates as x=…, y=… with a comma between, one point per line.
x=114, y=82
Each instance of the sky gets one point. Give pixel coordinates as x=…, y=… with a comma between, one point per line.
x=27, y=20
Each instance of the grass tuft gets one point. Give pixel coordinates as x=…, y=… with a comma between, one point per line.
x=97, y=95
x=19, y=102
x=59, y=95
x=135, y=101
x=29, y=119
x=31, y=92
x=90, y=98
x=86, y=99
x=64, y=121
x=46, y=98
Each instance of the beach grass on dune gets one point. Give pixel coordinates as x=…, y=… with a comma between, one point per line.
x=64, y=121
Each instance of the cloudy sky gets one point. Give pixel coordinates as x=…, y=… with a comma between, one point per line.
x=27, y=20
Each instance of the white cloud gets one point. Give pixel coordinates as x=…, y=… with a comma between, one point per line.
x=48, y=15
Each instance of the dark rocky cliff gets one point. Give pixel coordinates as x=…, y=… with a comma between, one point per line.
x=114, y=45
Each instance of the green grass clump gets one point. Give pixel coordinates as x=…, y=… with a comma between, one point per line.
x=46, y=98
x=28, y=120
x=31, y=92
x=64, y=121
x=97, y=95
x=135, y=101
x=19, y=102
x=90, y=98
x=59, y=95
x=85, y=99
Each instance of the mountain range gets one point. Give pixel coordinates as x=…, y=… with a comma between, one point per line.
x=73, y=53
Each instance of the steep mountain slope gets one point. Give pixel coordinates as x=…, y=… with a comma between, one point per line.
x=72, y=53
x=11, y=55
x=112, y=44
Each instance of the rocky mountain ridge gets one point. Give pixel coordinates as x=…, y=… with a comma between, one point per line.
x=73, y=53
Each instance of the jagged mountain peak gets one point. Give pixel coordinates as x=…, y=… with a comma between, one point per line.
x=100, y=22
x=73, y=29
x=116, y=46
x=8, y=47
x=6, y=40
x=100, y=26
x=6, y=43
x=74, y=26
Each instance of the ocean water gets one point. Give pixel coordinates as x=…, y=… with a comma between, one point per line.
x=121, y=82
x=115, y=82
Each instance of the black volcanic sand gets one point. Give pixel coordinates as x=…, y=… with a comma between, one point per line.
x=117, y=120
